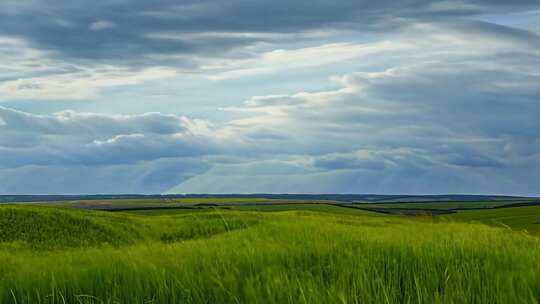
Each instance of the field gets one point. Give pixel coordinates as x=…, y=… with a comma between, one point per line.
x=133, y=203
x=439, y=205
x=249, y=252
x=526, y=219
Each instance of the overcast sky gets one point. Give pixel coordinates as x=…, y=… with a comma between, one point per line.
x=252, y=96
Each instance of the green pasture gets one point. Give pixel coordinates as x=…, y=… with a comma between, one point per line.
x=440, y=205
x=519, y=218
x=151, y=202
x=317, y=255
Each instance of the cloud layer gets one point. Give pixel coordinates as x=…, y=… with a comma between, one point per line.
x=123, y=29
x=425, y=97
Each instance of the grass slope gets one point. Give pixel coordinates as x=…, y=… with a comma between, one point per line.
x=92, y=204
x=440, y=205
x=518, y=218
x=40, y=227
x=261, y=257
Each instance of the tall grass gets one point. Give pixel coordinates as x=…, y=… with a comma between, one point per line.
x=288, y=257
x=40, y=228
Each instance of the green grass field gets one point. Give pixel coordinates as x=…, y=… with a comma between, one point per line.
x=309, y=207
x=152, y=202
x=301, y=254
x=440, y=205
x=520, y=218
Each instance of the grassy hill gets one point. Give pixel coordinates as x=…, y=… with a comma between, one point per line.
x=322, y=255
x=440, y=205
x=520, y=218
x=40, y=227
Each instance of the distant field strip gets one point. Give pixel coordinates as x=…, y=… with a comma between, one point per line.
x=517, y=218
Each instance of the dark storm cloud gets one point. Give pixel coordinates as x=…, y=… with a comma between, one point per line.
x=119, y=30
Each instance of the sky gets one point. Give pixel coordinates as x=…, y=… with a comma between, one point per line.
x=253, y=96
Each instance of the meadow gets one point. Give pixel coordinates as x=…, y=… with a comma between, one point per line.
x=439, y=205
x=300, y=253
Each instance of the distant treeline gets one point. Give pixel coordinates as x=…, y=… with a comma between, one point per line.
x=330, y=197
